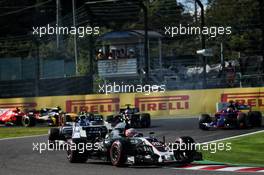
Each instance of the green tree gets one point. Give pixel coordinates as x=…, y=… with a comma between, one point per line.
x=243, y=16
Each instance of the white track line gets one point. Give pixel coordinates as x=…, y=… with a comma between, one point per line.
x=233, y=137
x=13, y=138
x=196, y=167
x=223, y=169
x=232, y=168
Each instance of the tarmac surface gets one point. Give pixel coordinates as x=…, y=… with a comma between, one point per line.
x=17, y=155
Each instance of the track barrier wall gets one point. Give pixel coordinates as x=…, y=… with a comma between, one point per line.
x=170, y=103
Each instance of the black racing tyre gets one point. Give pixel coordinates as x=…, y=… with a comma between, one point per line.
x=204, y=118
x=255, y=118
x=109, y=118
x=148, y=121
x=28, y=121
x=145, y=121
x=75, y=155
x=118, y=154
x=184, y=150
x=135, y=121
x=243, y=121
x=54, y=134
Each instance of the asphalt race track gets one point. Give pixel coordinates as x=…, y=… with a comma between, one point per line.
x=17, y=155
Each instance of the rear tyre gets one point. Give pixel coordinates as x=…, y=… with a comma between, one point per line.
x=118, y=154
x=255, y=118
x=28, y=121
x=243, y=121
x=145, y=121
x=185, y=150
x=109, y=118
x=148, y=121
x=54, y=134
x=73, y=155
x=204, y=118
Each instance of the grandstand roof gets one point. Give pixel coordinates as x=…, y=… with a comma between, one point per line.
x=131, y=34
x=105, y=12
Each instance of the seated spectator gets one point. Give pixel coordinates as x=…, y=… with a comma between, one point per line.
x=100, y=55
x=110, y=55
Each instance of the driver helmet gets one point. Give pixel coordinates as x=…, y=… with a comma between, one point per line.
x=229, y=110
x=231, y=102
x=127, y=111
x=131, y=132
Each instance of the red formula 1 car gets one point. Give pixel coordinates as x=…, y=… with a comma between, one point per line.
x=231, y=116
x=27, y=118
x=15, y=117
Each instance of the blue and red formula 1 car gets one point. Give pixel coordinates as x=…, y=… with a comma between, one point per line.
x=231, y=115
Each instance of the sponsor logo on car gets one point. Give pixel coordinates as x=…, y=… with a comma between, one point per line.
x=254, y=99
x=93, y=105
x=160, y=103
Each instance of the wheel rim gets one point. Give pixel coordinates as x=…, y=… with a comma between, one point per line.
x=115, y=154
x=26, y=121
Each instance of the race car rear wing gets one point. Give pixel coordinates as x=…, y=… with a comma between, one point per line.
x=224, y=105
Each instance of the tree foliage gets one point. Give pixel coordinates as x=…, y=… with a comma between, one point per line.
x=244, y=18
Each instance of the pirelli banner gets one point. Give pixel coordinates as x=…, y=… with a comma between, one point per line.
x=170, y=103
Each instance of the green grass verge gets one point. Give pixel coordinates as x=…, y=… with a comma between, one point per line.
x=8, y=132
x=248, y=150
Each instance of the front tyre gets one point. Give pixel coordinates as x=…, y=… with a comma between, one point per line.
x=118, y=155
x=204, y=119
x=185, y=150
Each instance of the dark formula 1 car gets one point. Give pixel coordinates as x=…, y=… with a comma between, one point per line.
x=124, y=146
x=15, y=117
x=231, y=116
x=130, y=116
